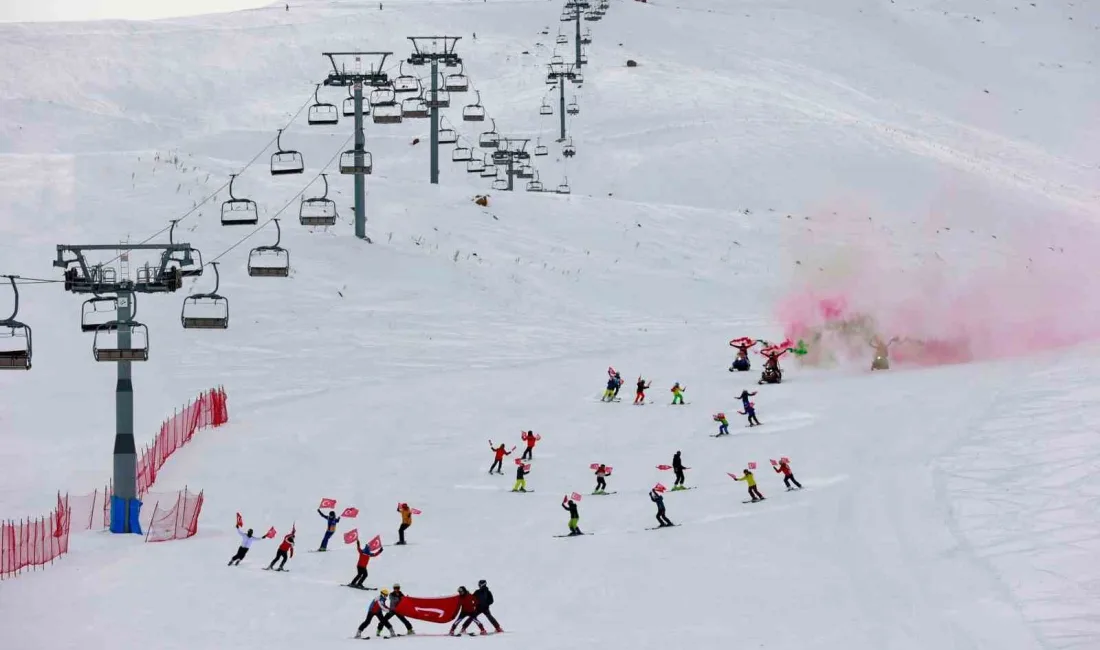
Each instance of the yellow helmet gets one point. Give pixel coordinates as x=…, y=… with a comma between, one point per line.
x=385, y=592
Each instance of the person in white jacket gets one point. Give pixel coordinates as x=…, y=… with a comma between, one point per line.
x=378, y=608
x=246, y=543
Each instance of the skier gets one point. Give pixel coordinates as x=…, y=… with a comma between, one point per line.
x=723, y=424
x=521, y=482
x=281, y=554
x=467, y=611
x=498, y=460
x=530, y=438
x=601, y=483
x=743, y=344
x=678, y=468
x=246, y=543
x=750, y=408
x=659, y=499
x=618, y=385
x=406, y=521
x=882, y=352
x=484, y=600
x=678, y=393
x=754, y=492
x=612, y=386
x=639, y=395
x=330, y=530
x=395, y=597
x=361, y=566
x=574, y=516
x=784, y=467
x=377, y=608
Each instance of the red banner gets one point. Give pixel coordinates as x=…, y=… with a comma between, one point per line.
x=433, y=610
x=327, y=503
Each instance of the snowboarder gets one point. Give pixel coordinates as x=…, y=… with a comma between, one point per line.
x=659, y=499
x=678, y=393
x=639, y=395
x=530, y=438
x=521, y=481
x=467, y=612
x=754, y=492
x=246, y=543
x=601, y=482
x=395, y=597
x=498, y=458
x=743, y=344
x=484, y=600
x=361, y=566
x=574, y=516
x=331, y=520
x=377, y=608
x=750, y=408
x=406, y=521
x=784, y=467
x=882, y=352
x=678, y=468
x=723, y=424
x=281, y=554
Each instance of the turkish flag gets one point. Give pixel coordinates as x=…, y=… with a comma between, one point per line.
x=270, y=533
x=240, y=521
x=328, y=503
x=432, y=610
x=659, y=488
x=351, y=536
x=575, y=496
x=375, y=545
x=350, y=513
x=664, y=467
x=752, y=464
x=415, y=511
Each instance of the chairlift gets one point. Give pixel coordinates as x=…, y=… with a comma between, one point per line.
x=592, y=16
x=441, y=99
x=92, y=312
x=475, y=166
x=586, y=39
x=500, y=184
x=349, y=105
x=567, y=16
x=564, y=187
x=490, y=170
x=557, y=61
x=239, y=212
x=567, y=149
x=578, y=77
x=356, y=162
x=501, y=157
x=448, y=136
x=320, y=113
x=387, y=114
x=546, y=108
x=489, y=139
x=189, y=261
x=405, y=83
x=535, y=185
x=457, y=82
x=414, y=107
x=551, y=80
x=318, y=211
x=15, y=338
x=462, y=154
x=562, y=39
x=474, y=112
x=383, y=96
x=285, y=161
x=542, y=150
x=573, y=107
x=526, y=172
x=270, y=261
x=136, y=350
x=206, y=310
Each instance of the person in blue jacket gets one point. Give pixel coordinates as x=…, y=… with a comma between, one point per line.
x=750, y=410
x=330, y=529
x=659, y=499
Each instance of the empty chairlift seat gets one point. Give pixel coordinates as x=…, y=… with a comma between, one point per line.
x=356, y=162
x=285, y=161
x=457, y=82
x=489, y=139
x=270, y=261
x=462, y=154
x=16, y=349
x=474, y=112
x=448, y=136
x=97, y=312
x=414, y=108
x=321, y=113
x=108, y=346
x=318, y=210
x=206, y=310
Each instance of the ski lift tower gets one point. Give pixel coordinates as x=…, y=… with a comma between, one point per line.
x=355, y=77
x=84, y=278
x=433, y=50
x=576, y=8
x=510, y=150
x=560, y=73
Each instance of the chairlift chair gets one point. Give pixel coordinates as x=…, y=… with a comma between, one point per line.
x=442, y=98
x=15, y=338
x=526, y=172
x=578, y=77
x=489, y=139
x=562, y=39
x=586, y=39
x=387, y=114
x=462, y=154
x=500, y=184
x=551, y=80
x=564, y=187
x=557, y=61
x=93, y=310
x=190, y=261
x=383, y=96
x=567, y=149
x=458, y=82
x=474, y=112
x=534, y=185
x=356, y=162
x=138, y=349
x=320, y=113
x=206, y=310
x=349, y=105
x=239, y=212
x=567, y=16
x=414, y=108
x=285, y=161
x=475, y=166
x=573, y=107
x=546, y=108
x=490, y=170
x=448, y=136
x=405, y=83
x=318, y=211
x=541, y=149
x=270, y=261
x=591, y=16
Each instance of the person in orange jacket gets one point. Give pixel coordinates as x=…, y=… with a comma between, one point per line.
x=468, y=611
x=498, y=460
x=406, y=521
x=286, y=547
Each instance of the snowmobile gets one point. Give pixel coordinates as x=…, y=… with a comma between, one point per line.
x=880, y=363
x=771, y=375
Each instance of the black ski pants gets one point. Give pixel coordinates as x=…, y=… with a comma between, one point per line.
x=466, y=620
x=401, y=533
x=755, y=493
x=662, y=520
x=360, y=577
x=788, y=479
x=679, y=475
x=382, y=622
x=600, y=483
x=389, y=615
x=752, y=417
x=279, y=555
x=241, y=552
x=498, y=465
x=527, y=453
x=473, y=618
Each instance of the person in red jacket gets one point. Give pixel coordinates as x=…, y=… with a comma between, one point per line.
x=361, y=567
x=530, y=438
x=286, y=547
x=499, y=454
x=784, y=467
x=468, y=611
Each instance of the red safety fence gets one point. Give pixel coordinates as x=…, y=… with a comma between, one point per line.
x=175, y=518
x=36, y=542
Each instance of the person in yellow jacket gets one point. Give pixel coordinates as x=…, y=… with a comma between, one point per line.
x=754, y=492
x=406, y=521
x=678, y=393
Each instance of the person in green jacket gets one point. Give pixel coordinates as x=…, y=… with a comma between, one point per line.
x=723, y=424
x=678, y=393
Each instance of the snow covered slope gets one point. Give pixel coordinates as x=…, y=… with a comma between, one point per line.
x=924, y=154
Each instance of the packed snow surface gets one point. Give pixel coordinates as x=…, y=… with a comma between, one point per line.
x=931, y=164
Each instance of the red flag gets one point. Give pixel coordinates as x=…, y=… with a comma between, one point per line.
x=432, y=610
x=607, y=470
x=375, y=545
x=350, y=513
x=351, y=536
x=774, y=463
x=659, y=488
x=240, y=521
x=519, y=461
x=575, y=496
x=270, y=533
x=328, y=503
x=664, y=467
x=752, y=464
x=527, y=468
x=733, y=476
x=414, y=511
x=594, y=466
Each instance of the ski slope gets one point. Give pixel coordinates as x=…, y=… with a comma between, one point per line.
x=934, y=162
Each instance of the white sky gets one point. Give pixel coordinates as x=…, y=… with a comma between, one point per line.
x=56, y=10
